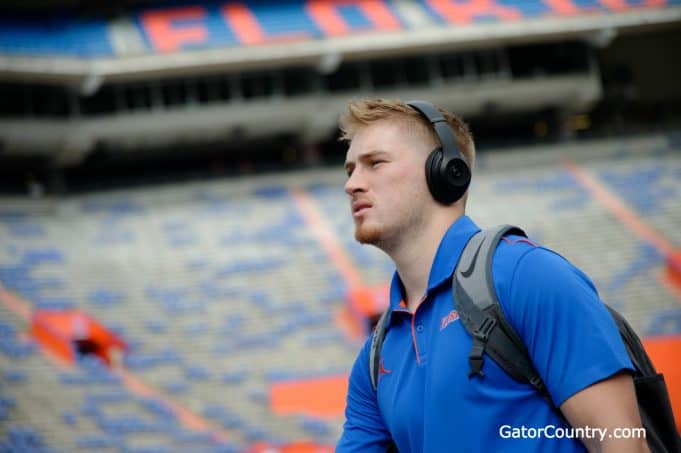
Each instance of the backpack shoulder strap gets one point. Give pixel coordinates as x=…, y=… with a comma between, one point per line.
x=478, y=307
x=376, y=345
x=637, y=353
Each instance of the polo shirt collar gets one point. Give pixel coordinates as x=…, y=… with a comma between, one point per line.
x=447, y=256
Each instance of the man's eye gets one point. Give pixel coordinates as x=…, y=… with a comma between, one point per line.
x=376, y=162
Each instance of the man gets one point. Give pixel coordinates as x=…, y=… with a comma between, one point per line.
x=425, y=400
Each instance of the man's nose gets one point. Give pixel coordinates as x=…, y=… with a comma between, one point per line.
x=355, y=183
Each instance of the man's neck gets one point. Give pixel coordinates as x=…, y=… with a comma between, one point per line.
x=414, y=257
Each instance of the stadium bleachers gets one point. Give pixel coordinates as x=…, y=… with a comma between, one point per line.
x=221, y=290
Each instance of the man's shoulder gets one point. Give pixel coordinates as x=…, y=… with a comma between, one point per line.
x=527, y=274
x=512, y=248
x=520, y=261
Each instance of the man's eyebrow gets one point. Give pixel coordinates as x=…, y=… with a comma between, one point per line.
x=365, y=156
x=372, y=153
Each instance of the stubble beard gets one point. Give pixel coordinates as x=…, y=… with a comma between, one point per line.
x=386, y=239
x=367, y=234
x=410, y=221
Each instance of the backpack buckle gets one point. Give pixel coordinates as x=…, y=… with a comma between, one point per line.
x=480, y=337
x=485, y=328
x=476, y=359
x=536, y=382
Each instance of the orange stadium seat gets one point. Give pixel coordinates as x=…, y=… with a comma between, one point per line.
x=321, y=397
x=674, y=268
x=664, y=352
x=67, y=334
x=295, y=447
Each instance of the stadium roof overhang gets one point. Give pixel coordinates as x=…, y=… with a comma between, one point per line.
x=313, y=117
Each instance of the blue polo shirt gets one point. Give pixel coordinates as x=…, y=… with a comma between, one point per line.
x=425, y=400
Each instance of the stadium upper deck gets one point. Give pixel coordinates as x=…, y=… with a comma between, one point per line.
x=180, y=36
x=161, y=74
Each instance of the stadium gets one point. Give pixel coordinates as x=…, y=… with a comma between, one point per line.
x=177, y=263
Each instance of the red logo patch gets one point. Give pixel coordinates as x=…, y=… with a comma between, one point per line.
x=381, y=369
x=451, y=317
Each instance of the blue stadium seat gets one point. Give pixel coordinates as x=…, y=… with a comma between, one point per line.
x=197, y=373
x=54, y=303
x=23, y=439
x=315, y=427
x=15, y=376
x=156, y=326
x=103, y=297
x=258, y=396
x=226, y=447
x=235, y=377
x=69, y=418
x=254, y=433
x=322, y=338
x=136, y=361
x=7, y=403
x=270, y=192
x=90, y=371
x=667, y=322
x=25, y=229
x=176, y=387
x=39, y=256
x=10, y=345
x=193, y=438
x=647, y=258
x=115, y=207
x=94, y=442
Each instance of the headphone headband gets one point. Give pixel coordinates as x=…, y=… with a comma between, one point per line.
x=447, y=171
x=442, y=130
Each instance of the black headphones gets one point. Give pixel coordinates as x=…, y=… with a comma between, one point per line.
x=447, y=172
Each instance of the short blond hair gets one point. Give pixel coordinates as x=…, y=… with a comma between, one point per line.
x=361, y=113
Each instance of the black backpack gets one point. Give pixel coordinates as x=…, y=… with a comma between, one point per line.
x=478, y=307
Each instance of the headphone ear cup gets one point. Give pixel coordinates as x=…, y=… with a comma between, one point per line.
x=433, y=177
x=448, y=184
x=457, y=175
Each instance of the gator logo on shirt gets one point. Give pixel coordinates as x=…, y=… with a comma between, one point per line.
x=382, y=370
x=450, y=318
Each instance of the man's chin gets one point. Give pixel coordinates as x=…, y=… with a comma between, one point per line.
x=367, y=235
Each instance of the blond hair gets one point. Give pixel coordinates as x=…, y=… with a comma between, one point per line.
x=361, y=113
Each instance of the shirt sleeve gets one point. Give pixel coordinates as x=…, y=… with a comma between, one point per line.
x=571, y=337
x=364, y=429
